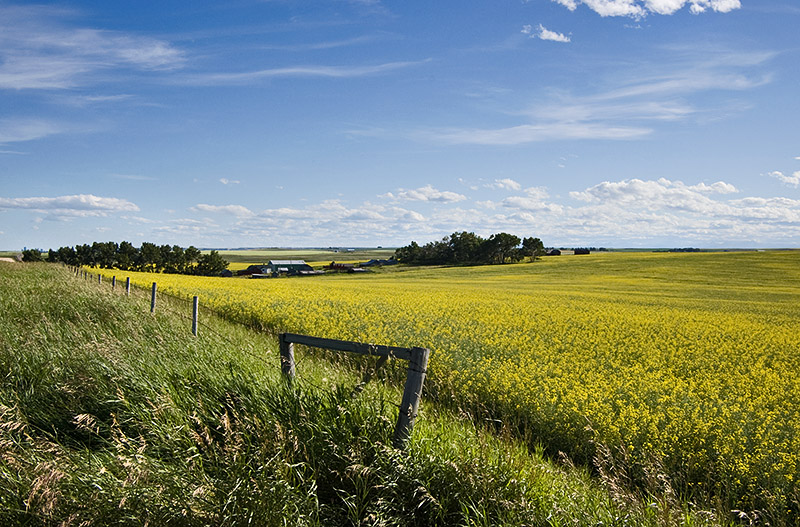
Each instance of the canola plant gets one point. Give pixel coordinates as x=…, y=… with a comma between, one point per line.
x=689, y=363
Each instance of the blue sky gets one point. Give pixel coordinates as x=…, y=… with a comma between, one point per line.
x=619, y=123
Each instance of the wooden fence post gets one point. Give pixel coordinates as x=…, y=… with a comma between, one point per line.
x=195, y=306
x=99, y=278
x=153, y=299
x=417, y=368
x=128, y=286
x=287, y=357
x=113, y=282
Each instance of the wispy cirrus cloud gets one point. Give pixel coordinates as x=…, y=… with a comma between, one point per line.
x=632, y=105
x=40, y=48
x=16, y=130
x=324, y=71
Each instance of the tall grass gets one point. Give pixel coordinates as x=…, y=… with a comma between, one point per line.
x=111, y=415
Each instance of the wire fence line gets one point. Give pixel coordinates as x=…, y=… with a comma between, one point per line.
x=415, y=372
x=145, y=294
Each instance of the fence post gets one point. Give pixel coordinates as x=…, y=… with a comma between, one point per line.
x=417, y=368
x=287, y=357
x=128, y=286
x=99, y=278
x=195, y=305
x=113, y=282
x=153, y=299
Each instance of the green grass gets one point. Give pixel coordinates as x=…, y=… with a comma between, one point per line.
x=111, y=415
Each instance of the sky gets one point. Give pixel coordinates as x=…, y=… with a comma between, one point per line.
x=281, y=123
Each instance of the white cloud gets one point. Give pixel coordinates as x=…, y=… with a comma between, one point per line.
x=235, y=210
x=19, y=130
x=248, y=77
x=530, y=133
x=654, y=195
x=634, y=104
x=641, y=8
x=226, y=181
x=40, y=50
x=631, y=212
x=504, y=184
x=546, y=34
x=793, y=180
x=80, y=205
x=133, y=177
x=426, y=193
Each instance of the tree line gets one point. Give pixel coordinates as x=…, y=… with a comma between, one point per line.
x=463, y=248
x=125, y=256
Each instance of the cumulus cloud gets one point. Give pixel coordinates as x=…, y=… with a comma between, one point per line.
x=504, y=184
x=226, y=181
x=426, y=193
x=641, y=8
x=793, y=180
x=545, y=34
x=655, y=195
x=79, y=205
x=235, y=210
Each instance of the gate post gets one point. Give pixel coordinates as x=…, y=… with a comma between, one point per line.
x=287, y=357
x=417, y=368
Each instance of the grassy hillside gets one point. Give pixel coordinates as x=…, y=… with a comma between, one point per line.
x=111, y=415
x=687, y=362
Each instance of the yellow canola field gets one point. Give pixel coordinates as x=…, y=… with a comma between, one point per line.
x=691, y=360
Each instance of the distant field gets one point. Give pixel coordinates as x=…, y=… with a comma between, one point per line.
x=312, y=256
x=687, y=362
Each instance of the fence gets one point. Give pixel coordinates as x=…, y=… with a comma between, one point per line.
x=415, y=376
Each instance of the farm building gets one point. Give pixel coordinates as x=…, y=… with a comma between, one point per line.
x=553, y=252
x=278, y=268
x=254, y=269
x=290, y=267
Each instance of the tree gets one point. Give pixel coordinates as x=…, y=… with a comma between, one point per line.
x=31, y=255
x=83, y=254
x=464, y=247
x=105, y=254
x=408, y=254
x=190, y=255
x=533, y=248
x=149, y=257
x=211, y=264
x=126, y=255
x=500, y=247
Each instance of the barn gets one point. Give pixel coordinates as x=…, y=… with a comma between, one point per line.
x=290, y=267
